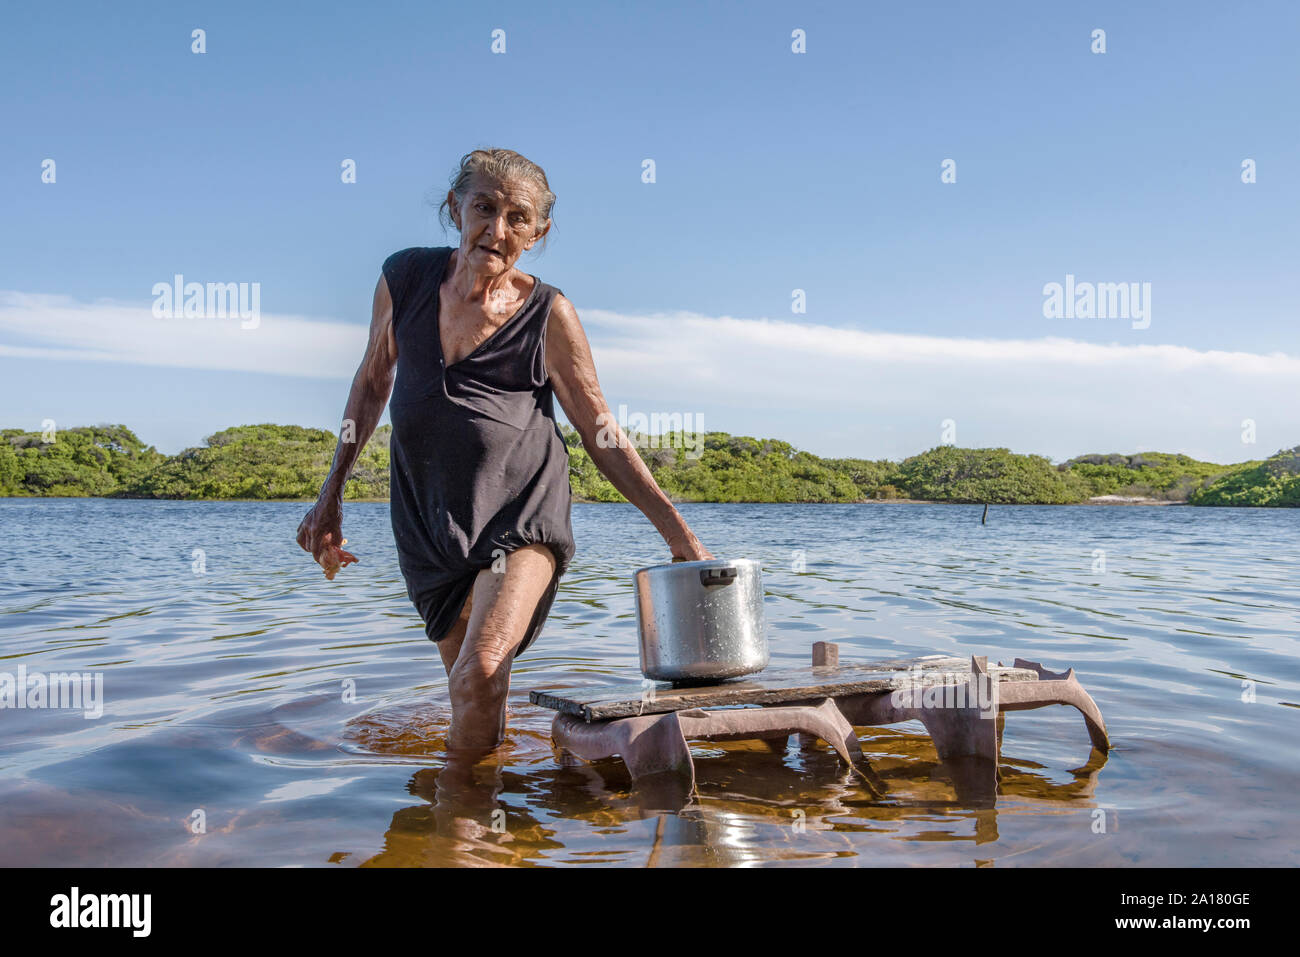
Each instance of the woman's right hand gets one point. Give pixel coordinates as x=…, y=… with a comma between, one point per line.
x=321, y=533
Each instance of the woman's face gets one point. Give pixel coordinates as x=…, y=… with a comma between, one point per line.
x=498, y=222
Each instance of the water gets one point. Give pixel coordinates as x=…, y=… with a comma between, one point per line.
x=226, y=656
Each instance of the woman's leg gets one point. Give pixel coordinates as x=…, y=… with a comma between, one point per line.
x=449, y=646
x=504, y=603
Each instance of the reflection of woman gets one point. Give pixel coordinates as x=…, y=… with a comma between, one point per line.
x=480, y=487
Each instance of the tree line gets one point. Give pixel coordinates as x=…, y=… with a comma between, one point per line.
x=290, y=462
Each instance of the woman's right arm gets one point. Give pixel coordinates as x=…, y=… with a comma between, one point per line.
x=321, y=530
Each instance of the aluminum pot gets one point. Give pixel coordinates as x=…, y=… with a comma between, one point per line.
x=701, y=622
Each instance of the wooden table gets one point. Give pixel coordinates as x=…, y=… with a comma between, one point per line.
x=961, y=703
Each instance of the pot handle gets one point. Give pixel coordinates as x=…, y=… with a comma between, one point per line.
x=717, y=576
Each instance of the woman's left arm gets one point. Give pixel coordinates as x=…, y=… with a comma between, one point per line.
x=573, y=378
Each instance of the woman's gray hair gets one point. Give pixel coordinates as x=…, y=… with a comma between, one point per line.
x=503, y=166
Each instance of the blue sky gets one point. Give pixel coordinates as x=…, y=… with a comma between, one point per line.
x=775, y=171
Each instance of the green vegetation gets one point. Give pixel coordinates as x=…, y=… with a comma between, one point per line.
x=266, y=461
x=950, y=474
x=249, y=461
x=1272, y=482
x=102, y=460
x=1148, y=474
x=290, y=462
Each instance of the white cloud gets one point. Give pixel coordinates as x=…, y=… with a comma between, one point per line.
x=660, y=333
x=830, y=390
x=58, y=327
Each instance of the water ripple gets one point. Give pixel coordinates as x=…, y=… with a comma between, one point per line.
x=307, y=719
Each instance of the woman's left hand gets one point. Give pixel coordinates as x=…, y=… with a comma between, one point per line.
x=688, y=548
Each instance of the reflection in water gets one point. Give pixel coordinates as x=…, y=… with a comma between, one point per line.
x=305, y=722
x=461, y=823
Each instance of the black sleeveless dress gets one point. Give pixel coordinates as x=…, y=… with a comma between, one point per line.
x=478, y=466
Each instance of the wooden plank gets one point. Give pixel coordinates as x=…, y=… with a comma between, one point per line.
x=622, y=699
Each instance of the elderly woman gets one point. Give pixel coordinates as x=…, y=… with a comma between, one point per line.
x=472, y=350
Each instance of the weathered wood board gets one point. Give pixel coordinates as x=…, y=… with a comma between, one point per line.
x=623, y=699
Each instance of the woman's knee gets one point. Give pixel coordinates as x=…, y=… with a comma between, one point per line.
x=479, y=679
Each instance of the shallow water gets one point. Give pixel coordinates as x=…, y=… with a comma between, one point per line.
x=228, y=665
